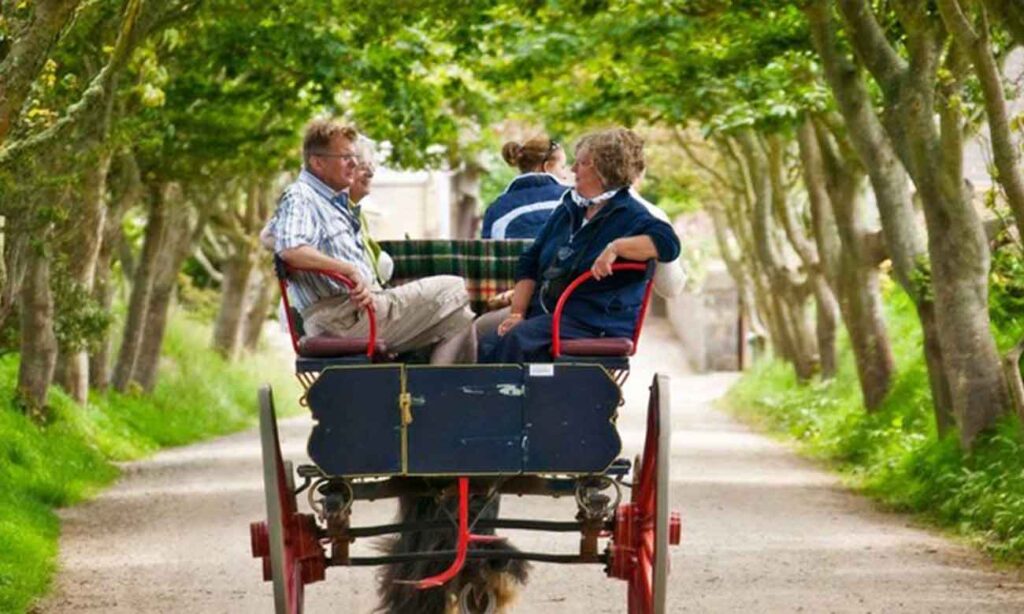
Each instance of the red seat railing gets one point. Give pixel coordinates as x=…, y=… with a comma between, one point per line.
x=556, y=317
x=283, y=269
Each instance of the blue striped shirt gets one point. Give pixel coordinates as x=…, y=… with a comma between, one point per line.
x=310, y=213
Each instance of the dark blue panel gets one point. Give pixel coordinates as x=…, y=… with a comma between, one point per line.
x=567, y=419
x=359, y=426
x=465, y=419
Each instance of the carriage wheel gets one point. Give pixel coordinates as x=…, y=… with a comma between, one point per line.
x=287, y=542
x=643, y=527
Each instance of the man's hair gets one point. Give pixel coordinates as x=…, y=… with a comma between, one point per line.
x=618, y=155
x=319, y=134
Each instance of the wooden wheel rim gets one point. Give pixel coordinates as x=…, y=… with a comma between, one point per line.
x=648, y=584
x=285, y=570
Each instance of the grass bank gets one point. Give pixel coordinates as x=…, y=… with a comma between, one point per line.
x=894, y=454
x=199, y=396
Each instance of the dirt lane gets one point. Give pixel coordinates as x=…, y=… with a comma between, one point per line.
x=763, y=531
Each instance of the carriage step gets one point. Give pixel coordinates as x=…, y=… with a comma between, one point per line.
x=619, y=468
x=309, y=471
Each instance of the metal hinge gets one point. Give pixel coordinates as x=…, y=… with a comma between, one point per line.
x=405, y=404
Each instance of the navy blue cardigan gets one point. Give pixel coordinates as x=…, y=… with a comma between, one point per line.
x=521, y=210
x=611, y=304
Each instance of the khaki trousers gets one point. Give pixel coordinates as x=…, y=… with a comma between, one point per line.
x=418, y=314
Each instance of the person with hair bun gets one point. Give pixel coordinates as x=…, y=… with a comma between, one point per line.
x=521, y=210
x=596, y=223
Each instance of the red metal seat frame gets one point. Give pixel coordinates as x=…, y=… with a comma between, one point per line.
x=284, y=269
x=556, y=325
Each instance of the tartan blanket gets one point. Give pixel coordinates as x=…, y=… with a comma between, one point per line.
x=489, y=267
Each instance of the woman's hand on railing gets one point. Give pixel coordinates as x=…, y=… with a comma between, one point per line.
x=556, y=316
x=602, y=266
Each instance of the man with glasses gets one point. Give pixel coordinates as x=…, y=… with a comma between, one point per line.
x=315, y=228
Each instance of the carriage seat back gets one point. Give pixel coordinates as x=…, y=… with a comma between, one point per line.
x=316, y=352
x=611, y=352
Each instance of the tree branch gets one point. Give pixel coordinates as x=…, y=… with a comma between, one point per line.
x=1004, y=151
x=872, y=45
x=956, y=22
x=27, y=55
x=134, y=27
x=684, y=144
x=204, y=262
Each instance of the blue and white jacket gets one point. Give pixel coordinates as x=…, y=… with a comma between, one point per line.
x=567, y=243
x=521, y=210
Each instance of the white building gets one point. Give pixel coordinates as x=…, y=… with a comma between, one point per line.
x=404, y=204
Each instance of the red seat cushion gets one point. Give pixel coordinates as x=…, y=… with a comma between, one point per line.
x=601, y=346
x=327, y=346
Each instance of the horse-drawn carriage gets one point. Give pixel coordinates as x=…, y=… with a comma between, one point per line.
x=469, y=433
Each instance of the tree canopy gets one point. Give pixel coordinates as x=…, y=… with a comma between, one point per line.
x=824, y=138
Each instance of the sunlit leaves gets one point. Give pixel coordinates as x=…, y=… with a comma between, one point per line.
x=722, y=64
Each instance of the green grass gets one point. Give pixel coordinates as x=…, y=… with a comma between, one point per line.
x=894, y=454
x=198, y=396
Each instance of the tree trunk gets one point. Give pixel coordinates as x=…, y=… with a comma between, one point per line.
x=234, y=290
x=1011, y=365
x=3, y=258
x=142, y=288
x=177, y=245
x=27, y=55
x=957, y=245
x=826, y=306
x=263, y=292
x=960, y=266
x=786, y=293
x=241, y=232
x=826, y=320
x=100, y=371
x=833, y=185
x=83, y=251
x=38, y=342
x=737, y=216
x=15, y=256
x=126, y=191
x=903, y=238
x=737, y=270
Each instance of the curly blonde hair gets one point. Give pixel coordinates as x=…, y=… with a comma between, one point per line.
x=618, y=155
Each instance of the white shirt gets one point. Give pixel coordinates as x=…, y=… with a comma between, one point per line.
x=669, y=277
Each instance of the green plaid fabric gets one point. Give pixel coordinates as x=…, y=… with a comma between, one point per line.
x=489, y=267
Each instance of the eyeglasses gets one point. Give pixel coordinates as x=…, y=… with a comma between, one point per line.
x=346, y=157
x=551, y=149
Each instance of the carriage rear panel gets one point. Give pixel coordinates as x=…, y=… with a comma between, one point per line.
x=358, y=420
x=396, y=419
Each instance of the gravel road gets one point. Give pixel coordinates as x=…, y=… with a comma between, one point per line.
x=763, y=530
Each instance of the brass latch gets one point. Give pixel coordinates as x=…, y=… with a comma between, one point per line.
x=405, y=404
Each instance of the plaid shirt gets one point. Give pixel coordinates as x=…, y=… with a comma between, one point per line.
x=311, y=213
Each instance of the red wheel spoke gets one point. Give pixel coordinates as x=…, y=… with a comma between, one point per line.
x=647, y=545
x=644, y=588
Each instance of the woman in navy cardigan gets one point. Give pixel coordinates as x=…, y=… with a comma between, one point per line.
x=595, y=224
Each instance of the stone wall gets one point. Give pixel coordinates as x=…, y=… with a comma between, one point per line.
x=707, y=323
